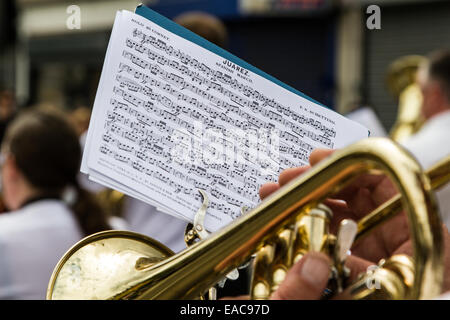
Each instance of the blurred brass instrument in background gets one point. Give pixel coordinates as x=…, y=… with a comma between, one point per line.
x=401, y=81
x=275, y=234
x=112, y=202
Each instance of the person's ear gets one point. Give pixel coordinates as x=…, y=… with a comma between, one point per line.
x=437, y=96
x=441, y=95
x=10, y=169
x=11, y=179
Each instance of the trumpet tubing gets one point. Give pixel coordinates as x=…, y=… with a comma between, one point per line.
x=280, y=230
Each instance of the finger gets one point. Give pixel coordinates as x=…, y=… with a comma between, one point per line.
x=306, y=280
x=340, y=212
x=357, y=266
x=267, y=189
x=369, y=181
x=291, y=173
x=335, y=205
x=361, y=203
x=383, y=191
x=318, y=155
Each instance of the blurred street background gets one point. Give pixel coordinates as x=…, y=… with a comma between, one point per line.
x=320, y=47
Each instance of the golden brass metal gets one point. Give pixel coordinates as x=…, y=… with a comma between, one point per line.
x=381, y=283
x=105, y=262
x=103, y=266
x=112, y=201
x=261, y=287
x=439, y=175
x=313, y=230
x=401, y=80
x=282, y=258
x=310, y=233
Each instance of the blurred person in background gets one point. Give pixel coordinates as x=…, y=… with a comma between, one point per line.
x=7, y=109
x=48, y=210
x=7, y=113
x=430, y=144
x=79, y=118
x=205, y=25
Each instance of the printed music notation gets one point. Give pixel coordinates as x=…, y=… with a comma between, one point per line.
x=170, y=120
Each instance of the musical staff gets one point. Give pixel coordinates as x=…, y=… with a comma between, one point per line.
x=173, y=121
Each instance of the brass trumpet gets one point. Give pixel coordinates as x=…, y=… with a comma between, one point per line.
x=289, y=223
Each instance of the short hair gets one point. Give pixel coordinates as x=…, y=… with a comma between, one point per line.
x=205, y=25
x=439, y=69
x=47, y=151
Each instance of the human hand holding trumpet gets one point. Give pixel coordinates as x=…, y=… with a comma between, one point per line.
x=307, y=279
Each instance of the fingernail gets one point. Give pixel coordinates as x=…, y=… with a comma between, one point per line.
x=315, y=270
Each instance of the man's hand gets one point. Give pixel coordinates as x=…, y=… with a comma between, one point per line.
x=306, y=280
x=362, y=196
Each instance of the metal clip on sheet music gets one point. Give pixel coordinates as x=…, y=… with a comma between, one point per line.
x=197, y=232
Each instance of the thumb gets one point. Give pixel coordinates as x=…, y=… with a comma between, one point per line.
x=306, y=280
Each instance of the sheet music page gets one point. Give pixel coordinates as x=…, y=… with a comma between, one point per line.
x=171, y=117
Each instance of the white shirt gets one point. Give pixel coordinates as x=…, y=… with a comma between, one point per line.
x=146, y=219
x=32, y=241
x=429, y=145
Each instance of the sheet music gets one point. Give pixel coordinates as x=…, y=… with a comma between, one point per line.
x=171, y=117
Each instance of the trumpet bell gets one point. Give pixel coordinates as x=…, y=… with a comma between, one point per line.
x=402, y=73
x=91, y=268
